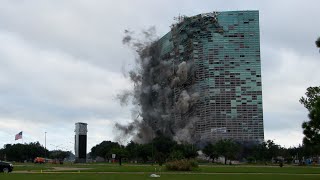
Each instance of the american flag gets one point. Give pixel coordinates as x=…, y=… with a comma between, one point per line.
x=18, y=136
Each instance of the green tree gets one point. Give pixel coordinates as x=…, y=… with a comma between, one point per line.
x=188, y=151
x=164, y=145
x=132, y=149
x=260, y=152
x=311, y=128
x=176, y=155
x=246, y=151
x=273, y=149
x=120, y=152
x=160, y=157
x=144, y=152
x=312, y=96
x=58, y=154
x=103, y=149
x=318, y=42
x=296, y=152
x=21, y=152
x=210, y=151
x=227, y=148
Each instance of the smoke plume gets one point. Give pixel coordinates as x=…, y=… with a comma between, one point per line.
x=163, y=97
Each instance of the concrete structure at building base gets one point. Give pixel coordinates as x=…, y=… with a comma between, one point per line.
x=223, y=51
x=80, y=147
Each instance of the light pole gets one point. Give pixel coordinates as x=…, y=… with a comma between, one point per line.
x=45, y=144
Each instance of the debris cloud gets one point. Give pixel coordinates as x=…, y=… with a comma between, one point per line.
x=161, y=92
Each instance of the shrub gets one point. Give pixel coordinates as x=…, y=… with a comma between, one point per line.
x=250, y=159
x=194, y=163
x=181, y=165
x=176, y=155
x=281, y=164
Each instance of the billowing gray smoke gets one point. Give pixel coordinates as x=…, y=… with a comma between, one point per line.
x=162, y=98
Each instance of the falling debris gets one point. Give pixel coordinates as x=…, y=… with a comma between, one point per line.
x=155, y=79
x=199, y=82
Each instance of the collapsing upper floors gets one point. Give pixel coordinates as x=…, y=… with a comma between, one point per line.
x=216, y=61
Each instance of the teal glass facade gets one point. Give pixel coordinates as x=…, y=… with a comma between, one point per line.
x=224, y=50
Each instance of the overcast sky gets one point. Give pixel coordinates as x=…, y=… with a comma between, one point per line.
x=61, y=62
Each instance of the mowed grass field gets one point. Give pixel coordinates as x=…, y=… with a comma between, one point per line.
x=149, y=168
x=132, y=172
x=120, y=176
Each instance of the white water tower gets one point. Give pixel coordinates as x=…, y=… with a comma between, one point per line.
x=80, y=145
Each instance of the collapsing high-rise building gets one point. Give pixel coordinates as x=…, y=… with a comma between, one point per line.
x=201, y=82
x=223, y=49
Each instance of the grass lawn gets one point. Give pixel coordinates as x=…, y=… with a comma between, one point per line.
x=84, y=176
x=133, y=171
x=257, y=169
x=31, y=167
x=149, y=168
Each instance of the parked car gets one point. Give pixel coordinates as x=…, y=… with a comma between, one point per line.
x=5, y=167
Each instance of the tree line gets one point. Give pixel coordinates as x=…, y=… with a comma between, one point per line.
x=159, y=150
x=28, y=152
x=163, y=149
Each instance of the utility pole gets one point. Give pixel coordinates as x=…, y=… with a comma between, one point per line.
x=152, y=153
x=45, y=144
